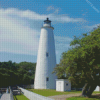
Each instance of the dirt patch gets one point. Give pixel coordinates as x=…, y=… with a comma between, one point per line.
x=63, y=97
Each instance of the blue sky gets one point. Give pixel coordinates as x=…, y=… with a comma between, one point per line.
x=21, y=22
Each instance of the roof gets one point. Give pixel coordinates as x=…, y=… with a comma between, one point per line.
x=47, y=20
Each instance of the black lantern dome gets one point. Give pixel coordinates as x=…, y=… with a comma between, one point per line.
x=47, y=24
x=47, y=21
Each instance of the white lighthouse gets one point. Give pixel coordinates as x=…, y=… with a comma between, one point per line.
x=46, y=60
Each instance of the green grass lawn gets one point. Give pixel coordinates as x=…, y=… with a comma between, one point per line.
x=50, y=92
x=95, y=92
x=20, y=97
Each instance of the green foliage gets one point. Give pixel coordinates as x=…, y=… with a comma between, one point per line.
x=26, y=72
x=81, y=64
x=16, y=73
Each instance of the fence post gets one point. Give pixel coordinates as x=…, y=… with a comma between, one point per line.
x=11, y=94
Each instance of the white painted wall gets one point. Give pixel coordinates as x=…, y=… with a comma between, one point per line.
x=45, y=65
x=61, y=85
x=33, y=96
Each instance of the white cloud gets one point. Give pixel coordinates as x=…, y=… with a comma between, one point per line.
x=16, y=36
x=56, y=10
x=62, y=43
x=50, y=8
x=12, y=12
x=20, y=30
x=91, y=27
x=63, y=40
x=65, y=19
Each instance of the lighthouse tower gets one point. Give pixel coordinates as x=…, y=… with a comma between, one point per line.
x=46, y=60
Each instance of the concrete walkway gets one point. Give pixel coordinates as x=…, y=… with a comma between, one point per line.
x=63, y=97
x=5, y=96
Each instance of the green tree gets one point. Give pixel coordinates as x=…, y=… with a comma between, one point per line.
x=8, y=72
x=26, y=72
x=81, y=64
x=12, y=73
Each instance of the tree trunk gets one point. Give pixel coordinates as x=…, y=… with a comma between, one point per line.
x=84, y=90
x=88, y=89
x=91, y=89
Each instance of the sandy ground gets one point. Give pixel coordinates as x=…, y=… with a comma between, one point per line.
x=63, y=97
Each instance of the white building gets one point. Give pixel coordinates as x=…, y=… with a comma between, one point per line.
x=63, y=85
x=97, y=88
x=46, y=60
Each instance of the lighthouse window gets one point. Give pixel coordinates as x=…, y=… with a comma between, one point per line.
x=66, y=84
x=47, y=54
x=47, y=79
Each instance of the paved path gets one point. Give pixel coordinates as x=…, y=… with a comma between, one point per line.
x=63, y=97
x=5, y=96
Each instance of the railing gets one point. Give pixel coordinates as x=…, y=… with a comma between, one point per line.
x=33, y=96
x=11, y=94
x=3, y=89
x=7, y=91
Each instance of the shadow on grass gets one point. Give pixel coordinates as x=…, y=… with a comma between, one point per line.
x=97, y=96
x=93, y=97
x=20, y=97
x=15, y=97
